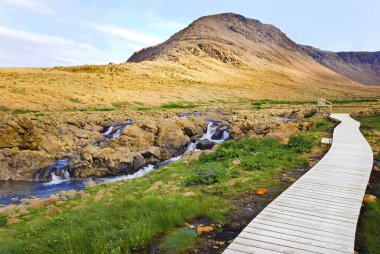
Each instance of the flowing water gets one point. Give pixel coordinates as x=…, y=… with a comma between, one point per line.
x=12, y=191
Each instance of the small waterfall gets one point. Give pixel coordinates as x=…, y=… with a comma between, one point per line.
x=115, y=130
x=212, y=127
x=58, y=172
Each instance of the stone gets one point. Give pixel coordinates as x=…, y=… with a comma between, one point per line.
x=154, y=186
x=13, y=220
x=236, y=162
x=204, y=229
x=205, y=144
x=262, y=191
x=52, y=211
x=90, y=184
x=171, y=136
x=189, y=194
x=218, y=135
x=369, y=198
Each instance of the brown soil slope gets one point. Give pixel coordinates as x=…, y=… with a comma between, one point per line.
x=219, y=57
x=363, y=67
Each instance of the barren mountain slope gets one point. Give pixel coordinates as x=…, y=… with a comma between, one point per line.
x=363, y=67
x=220, y=57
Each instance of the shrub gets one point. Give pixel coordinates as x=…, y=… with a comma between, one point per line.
x=300, y=143
x=74, y=100
x=3, y=220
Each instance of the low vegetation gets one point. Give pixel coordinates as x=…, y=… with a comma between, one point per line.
x=128, y=216
x=368, y=234
x=179, y=104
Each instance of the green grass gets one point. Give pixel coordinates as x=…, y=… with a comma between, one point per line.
x=178, y=105
x=143, y=109
x=128, y=219
x=354, y=100
x=372, y=122
x=20, y=111
x=39, y=114
x=178, y=241
x=18, y=90
x=3, y=108
x=121, y=104
x=368, y=233
x=102, y=109
x=3, y=220
x=74, y=100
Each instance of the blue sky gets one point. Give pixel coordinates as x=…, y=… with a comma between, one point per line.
x=71, y=32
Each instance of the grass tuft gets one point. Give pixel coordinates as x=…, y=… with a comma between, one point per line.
x=178, y=241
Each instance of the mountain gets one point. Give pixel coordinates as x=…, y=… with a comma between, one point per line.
x=247, y=43
x=217, y=59
x=363, y=67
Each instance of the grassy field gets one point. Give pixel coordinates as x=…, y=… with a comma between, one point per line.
x=368, y=234
x=128, y=216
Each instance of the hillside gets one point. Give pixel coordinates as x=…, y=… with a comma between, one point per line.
x=363, y=67
x=221, y=57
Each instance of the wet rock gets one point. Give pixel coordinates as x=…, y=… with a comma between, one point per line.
x=52, y=211
x=218, y=135
x=22, y=165
x=205, y=144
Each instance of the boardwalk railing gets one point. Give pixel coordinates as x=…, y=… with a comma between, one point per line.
x=319, y=212
x=322, y=103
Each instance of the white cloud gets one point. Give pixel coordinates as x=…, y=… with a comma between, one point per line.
x=31, y=6
x=123, y=33
x=20, y=48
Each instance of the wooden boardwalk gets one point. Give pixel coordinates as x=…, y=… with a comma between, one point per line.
x=319, y=212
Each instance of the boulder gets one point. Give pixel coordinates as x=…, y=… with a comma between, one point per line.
x=22, y=165
x=264, y=128
x=190, y=128
x=236, y=132
x=13, y=220
x=369, y=198
x=134, y=137
x=172, y=137
x=218, y=135
x=52, y=211
x=19, y=131
x=205, y=144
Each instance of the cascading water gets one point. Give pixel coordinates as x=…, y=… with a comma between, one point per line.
x=212, y=128
x=115, y=130
x=60, y=178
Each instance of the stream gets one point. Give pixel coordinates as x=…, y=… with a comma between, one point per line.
x=11, y=192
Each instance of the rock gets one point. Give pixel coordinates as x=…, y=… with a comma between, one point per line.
x=218, y=135
x=204, y=229
x=247, y=126
x=264, y=128
x=236, y=132
x=37, y=202
x=262, y=191
x=280, y=137
x=189, y=194
x=190, y=128
x=22, y=165
x=13, y=220
x=19, y=131
x=189, y=226
x=205, y=144
x=148, y=125
x=171, y=137
x=369, y=198
x=90, y=184
x=154, y=186
x=135, y=137
x=236, y=162
x=52, y=211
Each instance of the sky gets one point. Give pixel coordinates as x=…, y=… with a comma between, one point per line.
x=46, y=33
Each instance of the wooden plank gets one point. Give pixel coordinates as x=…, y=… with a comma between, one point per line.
x=319, y=212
